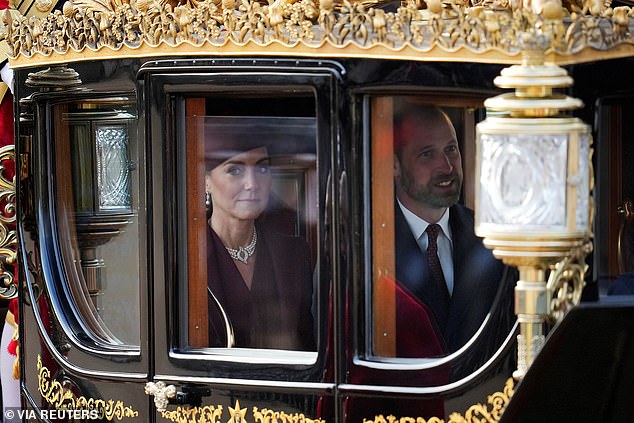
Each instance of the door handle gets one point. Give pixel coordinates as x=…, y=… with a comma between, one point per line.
x=168, y=394
x=161, y=393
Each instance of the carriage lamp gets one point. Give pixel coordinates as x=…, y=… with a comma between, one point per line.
x=99, y=137
x=533, y=187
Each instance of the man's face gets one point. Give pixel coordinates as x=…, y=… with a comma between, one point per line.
x=428, y=169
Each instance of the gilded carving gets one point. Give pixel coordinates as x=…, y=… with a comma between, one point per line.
x=237, y=414
x=269, y=416
x=61, y=398
x=566, y=282
x=478, y=413
x=207, y=413
x=8, y=235
x=453, y=26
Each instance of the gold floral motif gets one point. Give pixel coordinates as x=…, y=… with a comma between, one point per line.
x=465, y=29
x=61, y=398
x=213, y=414
x=269, y=416
x=478, y=413
x=207, y=413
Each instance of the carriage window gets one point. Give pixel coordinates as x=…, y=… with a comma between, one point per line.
x=433, y=283
x=251, y=224
x=97, y=201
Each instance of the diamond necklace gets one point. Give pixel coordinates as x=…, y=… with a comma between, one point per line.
x=243, y=253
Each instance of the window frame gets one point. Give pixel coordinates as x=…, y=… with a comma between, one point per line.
x=85, y=351
x=274, y=77
x=472, y=102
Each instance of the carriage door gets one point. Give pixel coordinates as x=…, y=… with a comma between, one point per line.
x=82, y=245
x=241, y=153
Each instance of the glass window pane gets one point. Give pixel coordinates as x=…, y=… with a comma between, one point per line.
x=435, y=287
x=251, y=226
x=97, y=201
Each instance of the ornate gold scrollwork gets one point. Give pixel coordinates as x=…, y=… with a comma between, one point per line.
x=237, y=414
x=8, y=236
x=207, y=413
x=566, y=282
x=478, y=413
x=60, y=398
x=461, y=29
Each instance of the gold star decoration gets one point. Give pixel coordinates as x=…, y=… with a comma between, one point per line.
x=237, y=414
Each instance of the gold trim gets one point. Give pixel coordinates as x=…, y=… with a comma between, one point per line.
x=490, y=412
x=8, y=233
x=566, y=282
x=61, y=398
x=213, y=414
x=324, y=50
x=207, y=413
x=486, y=32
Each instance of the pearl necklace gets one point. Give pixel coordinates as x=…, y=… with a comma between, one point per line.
x=243, y=253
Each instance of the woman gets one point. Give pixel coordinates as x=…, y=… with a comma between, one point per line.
x=262, y=278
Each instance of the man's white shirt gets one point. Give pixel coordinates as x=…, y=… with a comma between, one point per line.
x=445, y=246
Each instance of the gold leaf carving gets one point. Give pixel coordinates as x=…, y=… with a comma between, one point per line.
x=476, y=26
x=8, y=235
x=477, y=413
x=61, y=398
x=207, y=413
x=44, y=5
x=269, y=416
x=566, y=282
x=213, y=414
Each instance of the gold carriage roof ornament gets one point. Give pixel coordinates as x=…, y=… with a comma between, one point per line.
x=486, y=31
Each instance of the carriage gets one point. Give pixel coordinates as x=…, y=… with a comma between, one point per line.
x=104, y=233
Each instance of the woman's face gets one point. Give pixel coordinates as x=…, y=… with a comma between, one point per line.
x=240, y=186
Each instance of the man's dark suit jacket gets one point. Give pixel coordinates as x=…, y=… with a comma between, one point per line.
x=477, y=276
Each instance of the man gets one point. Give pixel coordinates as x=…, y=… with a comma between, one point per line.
x=439, y=260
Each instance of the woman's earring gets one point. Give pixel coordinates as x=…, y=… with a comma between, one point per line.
x=208, y=205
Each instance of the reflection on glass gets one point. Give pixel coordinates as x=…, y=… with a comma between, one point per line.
x=113, y=168
x=436, y=288
x=584, y=181
x=98, y=224
x=252, y=245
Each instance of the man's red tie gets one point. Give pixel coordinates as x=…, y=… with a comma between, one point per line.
x=435, y=270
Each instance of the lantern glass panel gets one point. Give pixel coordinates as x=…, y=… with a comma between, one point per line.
x=523, y=181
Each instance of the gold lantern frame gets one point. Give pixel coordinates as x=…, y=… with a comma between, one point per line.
x=536, y=244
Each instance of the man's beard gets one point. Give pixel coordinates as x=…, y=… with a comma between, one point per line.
x=425, y=195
